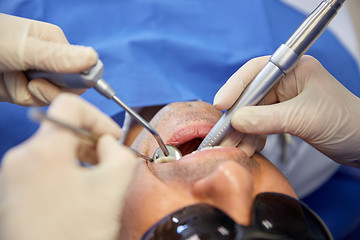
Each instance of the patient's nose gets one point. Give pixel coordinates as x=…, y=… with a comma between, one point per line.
x=230, y=188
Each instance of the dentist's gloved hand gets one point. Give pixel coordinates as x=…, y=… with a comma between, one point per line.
x=308, y=103
x=45, y=194
x=28, y=44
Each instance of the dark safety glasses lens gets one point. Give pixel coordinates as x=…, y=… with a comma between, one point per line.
x=198, y=221
x=277, y=214
x=274, y=216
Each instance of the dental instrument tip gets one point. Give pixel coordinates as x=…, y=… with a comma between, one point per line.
x=143, y=123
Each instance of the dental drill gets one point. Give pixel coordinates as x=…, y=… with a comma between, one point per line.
x=93, y=78
x=281, y=63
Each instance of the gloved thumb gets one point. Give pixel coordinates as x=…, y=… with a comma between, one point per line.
x=264, y=119
x=56, y=57
x=235, y=85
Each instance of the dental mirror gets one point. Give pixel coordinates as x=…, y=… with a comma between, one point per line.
x=174, y=154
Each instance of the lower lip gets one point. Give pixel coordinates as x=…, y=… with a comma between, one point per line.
x=211, y=152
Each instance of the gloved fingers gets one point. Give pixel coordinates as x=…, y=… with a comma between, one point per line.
x=43, y=90
x=292, y=84
x=262, y=142
x=4, y=94
x=291, y=96
x=57, y=57
x=71, y=109
x=246, y=142
x=265, y=119
x=86, y=152
x=47, y=32
x=43, y=153
x=116, y=160
x=16, y=90
x=250, y=144
x=232, y=139
x=47, y=92
x=13, y=164
x=111, y=152
x=74, y=91
x=271, y=97
x=83, y=114
x=235, y=85
x=288, y=87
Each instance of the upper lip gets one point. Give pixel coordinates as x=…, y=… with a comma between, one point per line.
x=189, y=137
x=188, y=133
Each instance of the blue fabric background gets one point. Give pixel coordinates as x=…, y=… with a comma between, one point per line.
x=155, y=52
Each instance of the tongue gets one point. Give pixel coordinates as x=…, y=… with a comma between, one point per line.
x=190, y=146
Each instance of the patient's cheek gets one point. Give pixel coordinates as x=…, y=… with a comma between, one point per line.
x=272, y=180
x=147, y=201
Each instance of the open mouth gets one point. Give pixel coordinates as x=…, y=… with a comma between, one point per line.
x=188, y=139
x=187, y=135
x=184, y=149
x=190, y=146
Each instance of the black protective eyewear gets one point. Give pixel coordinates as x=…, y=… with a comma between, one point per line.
x=274, y=216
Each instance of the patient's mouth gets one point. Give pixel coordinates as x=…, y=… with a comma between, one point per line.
x=184, y=149
x=189, y=138
x=190, y=146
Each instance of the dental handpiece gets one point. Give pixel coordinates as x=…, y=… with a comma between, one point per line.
x=93, y=78
x=281, y=63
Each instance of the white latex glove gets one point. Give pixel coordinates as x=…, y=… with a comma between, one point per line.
x=249, y=143
x=45, y=194
x=28, y=44
x=309, y=103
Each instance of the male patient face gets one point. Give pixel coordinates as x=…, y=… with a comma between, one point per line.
x=223, y=177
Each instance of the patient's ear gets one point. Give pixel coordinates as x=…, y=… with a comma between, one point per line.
x=134, y=128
